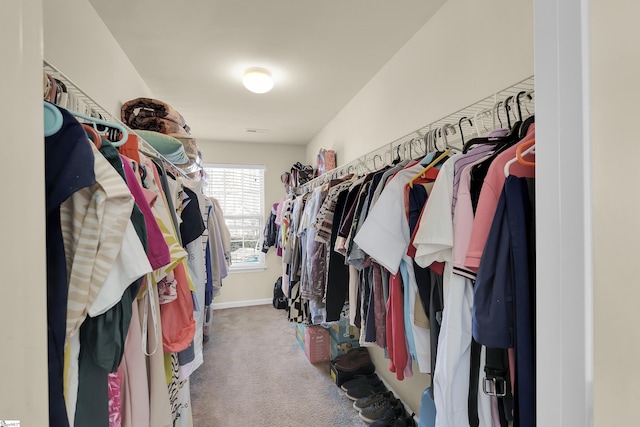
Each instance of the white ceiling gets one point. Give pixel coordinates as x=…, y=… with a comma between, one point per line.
x=321, y=53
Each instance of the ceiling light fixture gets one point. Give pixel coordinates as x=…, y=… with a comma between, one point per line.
x=257, y=80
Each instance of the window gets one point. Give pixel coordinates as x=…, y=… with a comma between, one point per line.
x=240, y=191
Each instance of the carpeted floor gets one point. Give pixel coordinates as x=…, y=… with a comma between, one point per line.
x=256, y=375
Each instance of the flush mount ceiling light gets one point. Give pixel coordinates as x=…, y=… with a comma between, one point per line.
x=257, y=80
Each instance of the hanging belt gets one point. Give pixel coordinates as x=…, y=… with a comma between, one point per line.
x=497, y=381
x=474, y=379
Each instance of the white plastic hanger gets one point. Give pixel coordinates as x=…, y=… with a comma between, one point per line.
x=96, y=121
x=520, y=157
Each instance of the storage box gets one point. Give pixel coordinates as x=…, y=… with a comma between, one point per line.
x=342, y=331
x=339, y=348
x=316, y=344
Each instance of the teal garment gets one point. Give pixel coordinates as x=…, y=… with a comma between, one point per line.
x=170, y=147
x=102, y=337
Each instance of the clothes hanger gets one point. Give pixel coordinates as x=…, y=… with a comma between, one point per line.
x=93, y=135
x=518, y=123
x=410, y=144
x=524, y=128
x=374, y=160
x=95, y=122
x=460, y=127
x=528, y=147
x=398, y=159
x=479, y=117
x=521, y=93
x=506, y=110
x=439, y=155
x=437, y=132
x=426, y=139
x=428, y=147
x=445, y=128
x=437, y=160
x=419, y=147
x=52, y=119
x=502, y=142
x=496, y=108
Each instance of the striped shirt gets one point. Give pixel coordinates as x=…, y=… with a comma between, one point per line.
x=93, y=222
x=323, y=223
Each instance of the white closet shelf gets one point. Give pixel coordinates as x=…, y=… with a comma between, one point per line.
x=482, y=113
x=79, y=101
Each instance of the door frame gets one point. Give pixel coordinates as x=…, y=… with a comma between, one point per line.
x=564, y=284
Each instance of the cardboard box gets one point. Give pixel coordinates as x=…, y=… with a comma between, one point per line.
x=316, y=344
x=342, y=331
x=338, y=348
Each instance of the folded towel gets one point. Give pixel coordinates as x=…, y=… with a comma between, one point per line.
x=149, y=107
x=189, y=144
x=157, y=125
x=168, y=146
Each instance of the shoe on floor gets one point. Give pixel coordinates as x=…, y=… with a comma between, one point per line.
x=390, y=417
x=351, y=354
x=377, y=410
x=365, y=390
x=404, y=420
x=361, y=380
x=358, y=361
x=363, y=402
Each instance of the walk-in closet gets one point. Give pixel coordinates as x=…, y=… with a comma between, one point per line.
x=460, y=306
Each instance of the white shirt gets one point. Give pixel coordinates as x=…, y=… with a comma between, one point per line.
x=434, y=242
x=385, y=236
x=130, y=264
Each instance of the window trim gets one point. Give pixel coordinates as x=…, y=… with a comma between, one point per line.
x=262, y=264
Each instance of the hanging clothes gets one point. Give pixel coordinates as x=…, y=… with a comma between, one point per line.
x=66, y=154
x=114, y=230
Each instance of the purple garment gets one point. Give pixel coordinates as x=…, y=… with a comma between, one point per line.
x=476, y=153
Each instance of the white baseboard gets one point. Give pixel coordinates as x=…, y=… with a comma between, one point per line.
x=246, y=303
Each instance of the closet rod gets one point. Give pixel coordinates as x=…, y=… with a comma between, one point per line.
x=88, y=106
x=483, y=114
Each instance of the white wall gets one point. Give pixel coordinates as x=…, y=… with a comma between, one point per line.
x=78, y=43
x=616, y=232
x=467, y=51
x=23, y=354
x=239, y=287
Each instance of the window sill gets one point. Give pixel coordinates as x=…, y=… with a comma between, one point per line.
x=256, y=269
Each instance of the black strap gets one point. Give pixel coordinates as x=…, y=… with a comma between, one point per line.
x=498, y=379
x=474, y=383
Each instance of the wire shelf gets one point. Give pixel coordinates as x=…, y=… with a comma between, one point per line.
x=75, y=99
x=486, y=115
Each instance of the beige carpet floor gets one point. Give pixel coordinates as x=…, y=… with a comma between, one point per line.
x=255, y=374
